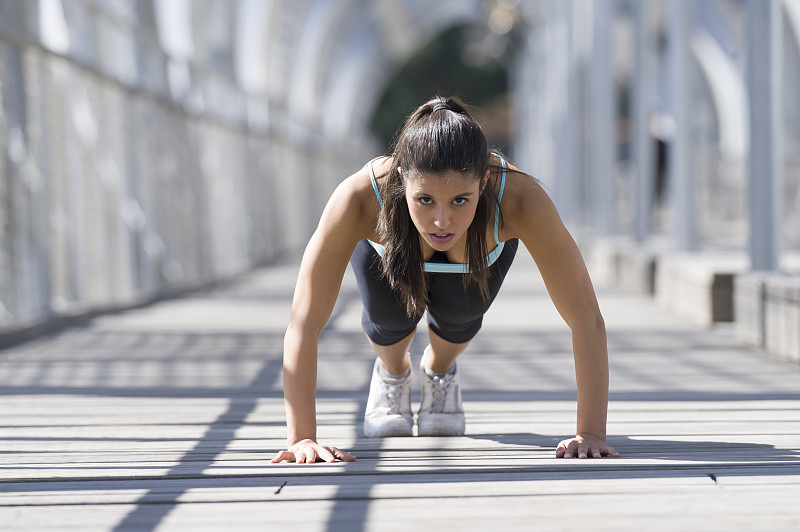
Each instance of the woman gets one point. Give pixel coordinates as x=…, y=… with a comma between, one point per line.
x=435, y=227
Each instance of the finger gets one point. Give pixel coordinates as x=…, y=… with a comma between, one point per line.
x=344, y=456
x=583, y=451
x=562, y=449
x=310, y=456
x=569, y=450
x=283, y=455
x=612, y=452
x=326, y=454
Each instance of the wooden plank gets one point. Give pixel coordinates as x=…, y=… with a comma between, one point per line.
x=600, y=511
x=158, y=420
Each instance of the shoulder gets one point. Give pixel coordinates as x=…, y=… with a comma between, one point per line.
x=526, y=205
x=380, y=165
x=358, y=186
x=353, y=202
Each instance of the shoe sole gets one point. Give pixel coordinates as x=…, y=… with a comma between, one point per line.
x=395, y=428
x=431, y=426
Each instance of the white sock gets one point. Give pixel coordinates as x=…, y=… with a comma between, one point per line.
x=385, y=375
x=430, y=373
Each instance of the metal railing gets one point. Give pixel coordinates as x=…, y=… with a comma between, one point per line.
x=114, y=192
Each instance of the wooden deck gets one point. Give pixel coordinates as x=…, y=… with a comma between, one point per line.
x=164, y=418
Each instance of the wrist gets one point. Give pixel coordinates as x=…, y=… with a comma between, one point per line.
x=600, y=436
x=299, y=439
x=592, y=425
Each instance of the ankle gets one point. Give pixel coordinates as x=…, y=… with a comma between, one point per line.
x=405, y=369
x=432, y=369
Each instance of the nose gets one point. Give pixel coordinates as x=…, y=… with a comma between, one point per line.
x=441, y=219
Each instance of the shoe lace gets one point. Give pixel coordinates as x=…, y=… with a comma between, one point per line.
x=393, y=394
x=441, y=385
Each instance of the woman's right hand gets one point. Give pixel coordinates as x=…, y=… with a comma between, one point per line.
x=308, y=451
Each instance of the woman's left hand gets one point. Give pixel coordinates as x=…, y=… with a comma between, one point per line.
x=585, y=445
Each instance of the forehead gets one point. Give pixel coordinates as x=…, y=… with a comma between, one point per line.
x=443, y=182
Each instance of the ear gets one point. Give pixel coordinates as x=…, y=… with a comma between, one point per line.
x=485, y=180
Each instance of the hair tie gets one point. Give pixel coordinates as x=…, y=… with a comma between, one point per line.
x=440, y=106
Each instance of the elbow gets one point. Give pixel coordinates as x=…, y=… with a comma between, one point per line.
x=303, y=326
x=599, y=322
x=299, y=345
x=590, y=321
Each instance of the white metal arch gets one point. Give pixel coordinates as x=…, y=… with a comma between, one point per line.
x=727, y=91
x=319, y=33
x=318, y=61
x=372, y=53
x=254, y=18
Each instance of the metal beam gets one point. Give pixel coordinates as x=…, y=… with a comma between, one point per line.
x=680, y=23
x=602, y=108
x=642, y=95
x=765, y=164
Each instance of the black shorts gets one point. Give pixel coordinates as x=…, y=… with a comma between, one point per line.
x=455, y=312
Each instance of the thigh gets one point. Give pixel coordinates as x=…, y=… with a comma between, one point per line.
x=384, y=317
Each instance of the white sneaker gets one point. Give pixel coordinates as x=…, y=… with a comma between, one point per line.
x=440, y=411
x=388, y=406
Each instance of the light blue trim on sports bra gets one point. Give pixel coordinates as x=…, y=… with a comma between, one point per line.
x=449, y=267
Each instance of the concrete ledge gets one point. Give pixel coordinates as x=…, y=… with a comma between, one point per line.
x=748, y=301
x=700, y=286
x=600, y=258
x=707, y=288
x=768, y=313
x=621, y=263
x=782, y=317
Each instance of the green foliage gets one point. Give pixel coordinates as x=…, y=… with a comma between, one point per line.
x=440, y=67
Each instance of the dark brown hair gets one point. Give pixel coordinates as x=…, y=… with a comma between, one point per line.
x=440, y=136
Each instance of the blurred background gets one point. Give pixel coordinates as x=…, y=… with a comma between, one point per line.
x=155, y=146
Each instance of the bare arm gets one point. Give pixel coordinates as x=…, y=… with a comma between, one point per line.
x=534, y=219
x=342, y=225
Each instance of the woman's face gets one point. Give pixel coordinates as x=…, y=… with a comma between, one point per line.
x=442, y=206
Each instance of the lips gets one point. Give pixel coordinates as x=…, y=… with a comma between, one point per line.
x=441, y=238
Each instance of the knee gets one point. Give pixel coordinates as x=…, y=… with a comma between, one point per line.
x=456, y=332
x=388, y=329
